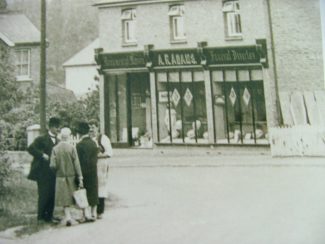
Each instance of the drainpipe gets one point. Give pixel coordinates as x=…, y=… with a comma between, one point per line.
x=277, y=97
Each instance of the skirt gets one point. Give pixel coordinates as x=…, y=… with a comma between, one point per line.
x=102, y=173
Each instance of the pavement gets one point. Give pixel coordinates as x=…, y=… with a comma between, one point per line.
x=190, y=196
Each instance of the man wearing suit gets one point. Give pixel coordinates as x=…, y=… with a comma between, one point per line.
x=41, y=172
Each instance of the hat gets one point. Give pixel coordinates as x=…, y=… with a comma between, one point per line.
x=83, y=128
x=65, y=132
x=54, y=122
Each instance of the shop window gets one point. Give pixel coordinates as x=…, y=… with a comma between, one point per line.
x=23, y=64
x=239, y=107
x=232, y=19
x=177, y=27
x=182, y=114
x=129, y=26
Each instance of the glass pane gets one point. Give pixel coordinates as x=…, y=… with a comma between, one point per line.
x=25, y=56
x=113, y=123
x=217, y=75
x=122, y=108
x=198, y=76
x=24, y=70
x=163, y=113
x=243, y=75
x=140, y=110
x=257, y=74
x=230, y=75
x=173, y=77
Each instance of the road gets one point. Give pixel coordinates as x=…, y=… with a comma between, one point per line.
x=223, y=199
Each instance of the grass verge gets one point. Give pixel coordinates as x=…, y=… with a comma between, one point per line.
x=18, y=205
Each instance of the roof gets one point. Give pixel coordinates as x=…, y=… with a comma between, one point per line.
x=59, y=94
x=84, y=57
x=18, y=29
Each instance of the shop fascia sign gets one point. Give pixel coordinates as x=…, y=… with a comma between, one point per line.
x=178, y=57
x=122, y=60
x=186, y=57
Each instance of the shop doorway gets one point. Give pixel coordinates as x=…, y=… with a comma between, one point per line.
x=139, y=110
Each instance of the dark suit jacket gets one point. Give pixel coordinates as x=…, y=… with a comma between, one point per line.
x=40, y=166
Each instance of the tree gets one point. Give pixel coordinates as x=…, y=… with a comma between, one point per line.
x=9, y=93
x=3, y=4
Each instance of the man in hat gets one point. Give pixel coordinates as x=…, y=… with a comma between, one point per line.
x=87, y=153
x=41, y=172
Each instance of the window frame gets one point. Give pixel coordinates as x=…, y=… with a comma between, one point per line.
x=232, y=19
x=20, y=62
x=177, y=23
x=128, y=18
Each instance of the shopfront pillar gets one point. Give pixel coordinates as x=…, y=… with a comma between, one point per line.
x=101, y=103
x=209, y=105
x=153, y=107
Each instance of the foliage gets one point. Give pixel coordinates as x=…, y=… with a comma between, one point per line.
x=3, y=4
x=5, y=172
x=9, y=93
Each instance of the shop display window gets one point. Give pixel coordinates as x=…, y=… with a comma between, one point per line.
x=117, y=108
x=181, y=106
x=239, y=107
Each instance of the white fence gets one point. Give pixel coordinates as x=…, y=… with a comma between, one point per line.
x=298, y=140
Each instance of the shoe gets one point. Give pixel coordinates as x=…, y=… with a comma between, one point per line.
x=52, y=221
x=68, y=223
x=99, y=216
x=91, y=219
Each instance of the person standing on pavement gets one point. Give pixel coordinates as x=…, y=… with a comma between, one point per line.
x=87, y=153
x=40, y=171
x=105, y=151
x=65, y=163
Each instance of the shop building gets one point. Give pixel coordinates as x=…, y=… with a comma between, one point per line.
x=203, y=72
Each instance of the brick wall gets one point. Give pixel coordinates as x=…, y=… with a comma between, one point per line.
x=298, y=44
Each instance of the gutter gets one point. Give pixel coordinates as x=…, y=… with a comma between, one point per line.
x=277, y=97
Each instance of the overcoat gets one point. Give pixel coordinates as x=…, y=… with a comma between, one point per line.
x=87, y=153
x=65, y=163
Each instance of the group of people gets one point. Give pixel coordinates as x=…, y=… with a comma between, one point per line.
x=60, y=168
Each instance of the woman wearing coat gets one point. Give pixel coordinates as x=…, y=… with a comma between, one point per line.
x=65, y=162
x=104, y=153
x=87, y=152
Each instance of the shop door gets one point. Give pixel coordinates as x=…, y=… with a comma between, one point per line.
x=139, y=110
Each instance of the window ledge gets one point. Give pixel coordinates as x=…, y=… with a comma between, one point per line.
x=178, y=41
x=234, y=38
x=131, y=44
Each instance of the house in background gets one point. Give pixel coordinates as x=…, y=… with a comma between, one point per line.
x=81, y=73
x=22, y=39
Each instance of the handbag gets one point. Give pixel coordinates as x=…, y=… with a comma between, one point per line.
x=80, y=196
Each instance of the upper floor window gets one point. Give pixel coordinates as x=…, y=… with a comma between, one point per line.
x=232, y=19
x=129, y=25
x=23, y=63
x=176, y=17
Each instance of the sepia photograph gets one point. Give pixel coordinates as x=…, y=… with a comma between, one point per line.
x=162, y=121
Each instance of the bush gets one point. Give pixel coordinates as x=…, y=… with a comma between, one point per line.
x=5, y=173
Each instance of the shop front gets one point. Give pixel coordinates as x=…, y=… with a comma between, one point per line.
x=198, y=96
